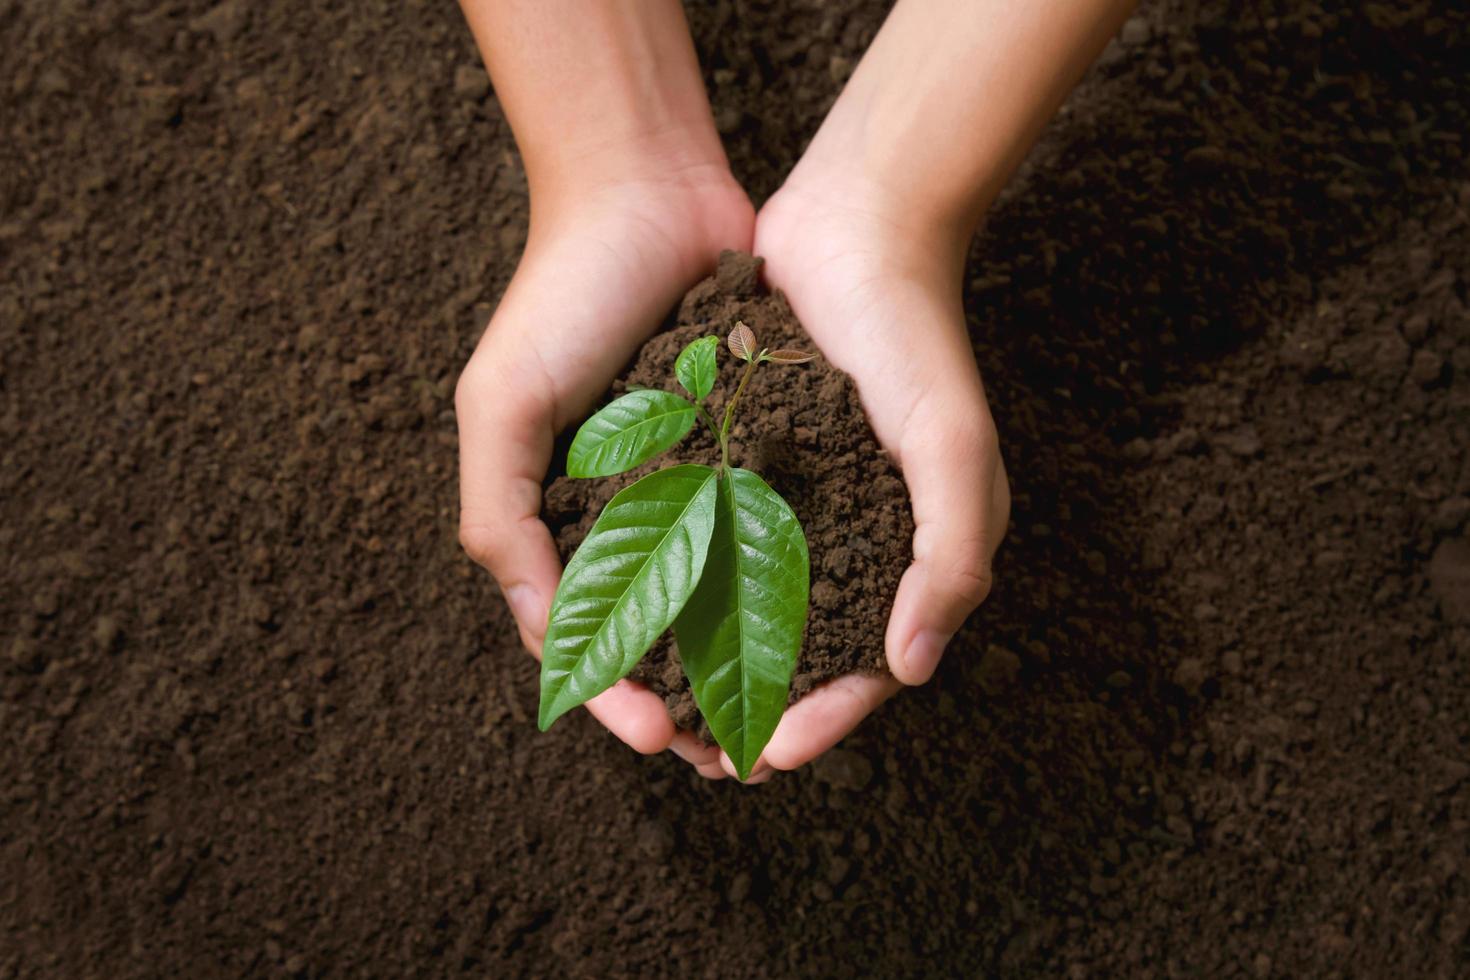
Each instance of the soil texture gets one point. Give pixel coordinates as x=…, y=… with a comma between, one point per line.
x=259, y=716
x=802, y=428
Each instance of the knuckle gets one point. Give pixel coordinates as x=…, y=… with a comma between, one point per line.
x=956, y=419
x=645, y=738
x=969, y=575
x=478, y=542
x=782, y=759
x=489, y=393
x=970, y=435
x=468, y=387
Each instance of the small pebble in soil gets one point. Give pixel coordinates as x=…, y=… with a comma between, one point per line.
x=24, y=653
x=1191, y=674
x=1240, y=442
x=1136, y=31
x=998, y=668
x=1427, y=368
x=1449, y=578
x=655, y=838
x=1450, y=515
x=843, y=769
x=471, y=83
x=105, y=633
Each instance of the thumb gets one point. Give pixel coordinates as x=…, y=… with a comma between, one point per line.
x=505, y=432
x=961, y=503
x=505, y=429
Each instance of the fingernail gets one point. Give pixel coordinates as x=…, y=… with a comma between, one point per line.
x=527, y=607
x=922, y=656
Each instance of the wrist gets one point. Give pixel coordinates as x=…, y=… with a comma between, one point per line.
x=598, y=94
x=868, y=148
x=909, y=233
x=683, y=207
x=673, y=162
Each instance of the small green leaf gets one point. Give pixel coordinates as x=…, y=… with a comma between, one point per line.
x=695, y=367
x=637, y=567
x=740, y=633
x=628, y=431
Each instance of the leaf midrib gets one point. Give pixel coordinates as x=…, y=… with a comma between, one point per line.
x=632, y=580
x=739, y=613
x=606, y=446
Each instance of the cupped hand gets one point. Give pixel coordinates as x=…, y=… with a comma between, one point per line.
x=600, y=270
x=880, y=293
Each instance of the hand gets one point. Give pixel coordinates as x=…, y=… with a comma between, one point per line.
x=602, y=266
x=879, y=292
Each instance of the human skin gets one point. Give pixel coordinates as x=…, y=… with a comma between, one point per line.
x=868, y=239
x=631, y=201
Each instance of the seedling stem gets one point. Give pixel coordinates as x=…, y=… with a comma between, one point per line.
x=730, y=411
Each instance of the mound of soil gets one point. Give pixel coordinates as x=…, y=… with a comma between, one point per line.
x=259, y=715
x=802, y=429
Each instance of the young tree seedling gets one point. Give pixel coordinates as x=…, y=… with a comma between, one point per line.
x=711, y=550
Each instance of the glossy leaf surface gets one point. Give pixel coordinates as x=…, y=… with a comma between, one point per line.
x=629, y=431
x=627, y=582
x=740, y=633
x=695, y=367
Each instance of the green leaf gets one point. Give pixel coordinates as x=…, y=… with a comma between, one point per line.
x=637, y=567
x=740, y=633
x=695, y=367
x=628, y=431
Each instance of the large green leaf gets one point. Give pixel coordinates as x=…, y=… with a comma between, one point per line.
x=628, y=431
x=695, y=367
x=624, y=586
x=740, y=633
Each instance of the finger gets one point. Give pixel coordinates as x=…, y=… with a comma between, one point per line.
x=961, y=503
x=634, y=714
x=760, y=773
x=505, y=439
x=506, y=429
x=819, y=721
x=693, y=751
x=711, y=771
x=760, y=768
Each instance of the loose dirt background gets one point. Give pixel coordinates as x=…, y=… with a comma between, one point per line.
x=260, y=716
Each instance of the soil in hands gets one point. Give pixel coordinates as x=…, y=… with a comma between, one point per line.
x=803, y=430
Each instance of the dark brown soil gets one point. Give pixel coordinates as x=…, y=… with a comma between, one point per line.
x=802, y=428
x=260, y=716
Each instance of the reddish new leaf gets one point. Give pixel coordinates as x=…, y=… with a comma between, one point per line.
x=788, y=356
x=742, y=342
